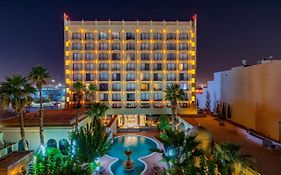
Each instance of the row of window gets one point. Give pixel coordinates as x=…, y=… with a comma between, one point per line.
x=131, y=46
x=130, y=66
x=132, y=97
x=130, y=77
x=130, y=56
x=129, y=36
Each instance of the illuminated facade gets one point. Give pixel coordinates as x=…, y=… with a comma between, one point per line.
x=131, y=63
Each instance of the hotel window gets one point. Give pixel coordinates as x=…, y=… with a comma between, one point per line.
x=171, y=56
x=103, y=66
x=116, y=97
x=77, y=77
x=157, y=36
x=130, y=86
x=157, y=96
x=171, y=66
x=89, y=66
x=115, y=56
x=183, y=66
x=130, y=66
x=116, y=66
x=89, y=56
x=89, y=36
x=89, y=46
x=103, y=97
x=116, y=86
x=77, y=66
x=145, y=96
x=145, y=46
x=183, y=86
x=116, y=77
x=103, y=76
x=115, y=36
x=145, y=36
x=103, y=87
x=157, y=77
x=131, y=56
x=115, y=46
x=76, y=36
x=76, y=46
x=183, y=36
x=131, y=97
x=171, y=77
x=157, y=86
x=157, y=56
x=103, y=56
x=103, y=46
x=157, y=66
x=183, y=56
x=145, y=77
x=130, y=46
x=103, y=36
x=183, y=46
x=171, y=36
x=77, y=56
x=89, y=77
x=171, y=46
x=157, y=46
x=145, y=56
x=130, y=76
x=145, y=66
x=130, y=36
x=183, y=77
x=144, y=86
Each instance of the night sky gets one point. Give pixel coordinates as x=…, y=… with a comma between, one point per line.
x=228, y=30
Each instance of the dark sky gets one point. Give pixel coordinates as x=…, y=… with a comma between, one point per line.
x=228, y=30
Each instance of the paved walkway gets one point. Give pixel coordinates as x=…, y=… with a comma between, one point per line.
x=267, y=161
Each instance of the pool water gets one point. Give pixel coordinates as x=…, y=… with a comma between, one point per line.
x=138, y=144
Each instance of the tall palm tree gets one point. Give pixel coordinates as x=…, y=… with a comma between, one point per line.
x=174, y=94
x=40, y=75
x=78, y=89
x=16, y=92
x=97, y=110
x=91, y=90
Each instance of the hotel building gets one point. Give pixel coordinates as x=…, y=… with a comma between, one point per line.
x=131, y=63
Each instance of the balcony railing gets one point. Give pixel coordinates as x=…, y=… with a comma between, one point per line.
x=9, y=149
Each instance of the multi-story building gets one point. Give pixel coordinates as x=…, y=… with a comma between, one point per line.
x=132, y=63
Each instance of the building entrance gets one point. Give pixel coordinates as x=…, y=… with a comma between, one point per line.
x=131, y=121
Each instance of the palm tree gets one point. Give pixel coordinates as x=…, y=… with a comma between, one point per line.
x=89, y=143
x=174, y=94
x=97, y=110
x=40, y=75
x=78, y=89
x=16, y=92
x=91, y=89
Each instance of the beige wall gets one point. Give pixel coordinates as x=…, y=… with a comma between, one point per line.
x=254, y=95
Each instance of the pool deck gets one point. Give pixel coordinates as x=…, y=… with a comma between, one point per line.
x=151, y=161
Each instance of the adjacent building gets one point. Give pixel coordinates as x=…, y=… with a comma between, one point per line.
x=131, y=63
x=253, y=94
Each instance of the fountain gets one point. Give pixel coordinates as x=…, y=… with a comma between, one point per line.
x=128, y=164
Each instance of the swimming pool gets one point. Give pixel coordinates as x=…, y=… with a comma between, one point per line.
x=140, y=146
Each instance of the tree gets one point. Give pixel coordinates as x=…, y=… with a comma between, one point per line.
x=164, y=123
x=91, y=90
x=39, y=75
x=208, y=101
x=174, y=94
x=180, y=152
x=16, y=91
x=89, y=143
x=96, y=112
x=78, y=89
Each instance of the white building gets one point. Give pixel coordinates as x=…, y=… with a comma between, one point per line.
x=253, y=93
